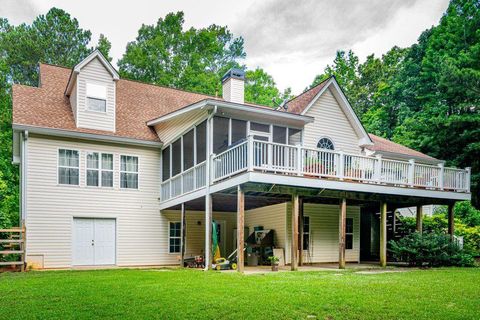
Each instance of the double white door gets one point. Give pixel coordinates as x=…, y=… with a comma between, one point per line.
x=93, y=242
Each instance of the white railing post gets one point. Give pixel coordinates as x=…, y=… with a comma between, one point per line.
x=299, y=160
x=211, y=169
x=411, y=172
x=467, y=178
x=250, y=153
x=378, y=168
x=341, y=165
x=441, y=178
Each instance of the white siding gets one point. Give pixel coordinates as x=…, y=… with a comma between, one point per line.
x=170, y=130
x=330, y=121
x=233, y=90
x=95, y=72
x=141, y=229
x=270, y=217
x=195, y=231
x=324, y=233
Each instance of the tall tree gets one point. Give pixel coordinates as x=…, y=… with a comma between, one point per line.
x=260, y=88
x=104, y=46
x=54, y=38
x=193, y=59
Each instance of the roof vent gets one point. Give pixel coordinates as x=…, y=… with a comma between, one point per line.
x=233, y=83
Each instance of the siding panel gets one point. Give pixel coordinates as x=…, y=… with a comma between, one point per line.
x=95, y=72
x=141, y=237
x=170, y=130
x=330, y=121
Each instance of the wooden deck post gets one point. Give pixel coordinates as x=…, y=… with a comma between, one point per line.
x=419, y=218
x=342, y=233
x=300, y=232
x=383, y=234
x=208, y=231
x=182, y=233
x=240, y=229
x=451, y=222
x=294, y=249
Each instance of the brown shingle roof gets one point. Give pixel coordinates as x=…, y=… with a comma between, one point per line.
x=300, y=102
x=47, y=106
x=381, y=144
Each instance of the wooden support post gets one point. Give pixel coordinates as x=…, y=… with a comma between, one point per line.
x=294, y=249
x=182, y=233
x=342, y=233
x=300, y=232
x=451, y=222
x=383, y=234
x=240, y=229
x=419, y=218
x=208, y=231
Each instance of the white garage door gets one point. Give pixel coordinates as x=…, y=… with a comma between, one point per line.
x=93, y=242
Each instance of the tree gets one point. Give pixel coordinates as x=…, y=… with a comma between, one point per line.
x=54, y=38
x=260, y=88
x=104, y=46
x=194, y=59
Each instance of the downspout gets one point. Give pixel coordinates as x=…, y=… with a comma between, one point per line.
x=208, y=214
x=23, y=177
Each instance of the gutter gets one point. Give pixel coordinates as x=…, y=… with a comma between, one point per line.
x=86, y=136
x=233, y=106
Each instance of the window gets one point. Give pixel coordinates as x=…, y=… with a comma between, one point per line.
x=260, y=127
x=128, y=172
x=201, y=142
x=96, y=97
x=99, y=173
x=174, y=239
x=306, y=233
x=188, y=141
x=68, y=167
x=325, y=143
x=166, y=163
x=107, y=170
x=279, y=135
x=220, y=134
x=349, y=234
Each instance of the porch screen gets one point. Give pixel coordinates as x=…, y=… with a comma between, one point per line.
x=201, y=142
x=294, y=136
x=220, y=134
x=166, y=164
x=176, y=157
x=239, y=131
x=188, y=150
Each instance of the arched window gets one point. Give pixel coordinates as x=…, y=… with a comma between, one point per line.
x=325, y=143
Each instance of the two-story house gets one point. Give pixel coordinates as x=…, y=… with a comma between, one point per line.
x=122, y=173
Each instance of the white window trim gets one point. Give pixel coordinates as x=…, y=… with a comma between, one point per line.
x=59, y=166
x=120, y=171
x=350, y=233
x=100, y=169
x=170, y=237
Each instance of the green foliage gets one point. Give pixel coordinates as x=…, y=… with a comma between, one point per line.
x=193, y=59
x=429, y=249
x=260, y=88
x=54, y=38
x=104, y=46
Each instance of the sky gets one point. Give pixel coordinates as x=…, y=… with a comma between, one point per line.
x=292, y=40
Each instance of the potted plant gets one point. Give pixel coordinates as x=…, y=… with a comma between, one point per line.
x=274, y=262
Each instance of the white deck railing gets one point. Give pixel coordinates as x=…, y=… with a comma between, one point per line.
x=184, y=182
x=252, y=155
x=296, y=160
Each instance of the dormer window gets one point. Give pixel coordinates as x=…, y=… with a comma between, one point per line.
x=96, y=97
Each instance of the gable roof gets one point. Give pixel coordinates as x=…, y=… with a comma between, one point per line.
x=48, y=107
x=382, y=145
x=299, y=103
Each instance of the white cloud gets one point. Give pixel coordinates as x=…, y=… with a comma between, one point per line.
x=292, y=40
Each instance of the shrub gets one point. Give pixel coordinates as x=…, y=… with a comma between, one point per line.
x=430, y=249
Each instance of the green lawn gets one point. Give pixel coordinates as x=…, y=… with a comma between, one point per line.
x=418, y=294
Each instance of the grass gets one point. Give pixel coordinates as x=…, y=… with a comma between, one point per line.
x=450, y=293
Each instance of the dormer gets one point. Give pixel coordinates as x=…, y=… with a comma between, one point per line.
x=91, y=91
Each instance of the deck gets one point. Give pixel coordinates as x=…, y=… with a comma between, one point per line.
x=318, y=164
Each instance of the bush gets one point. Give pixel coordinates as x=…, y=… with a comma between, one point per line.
x=430, y=249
